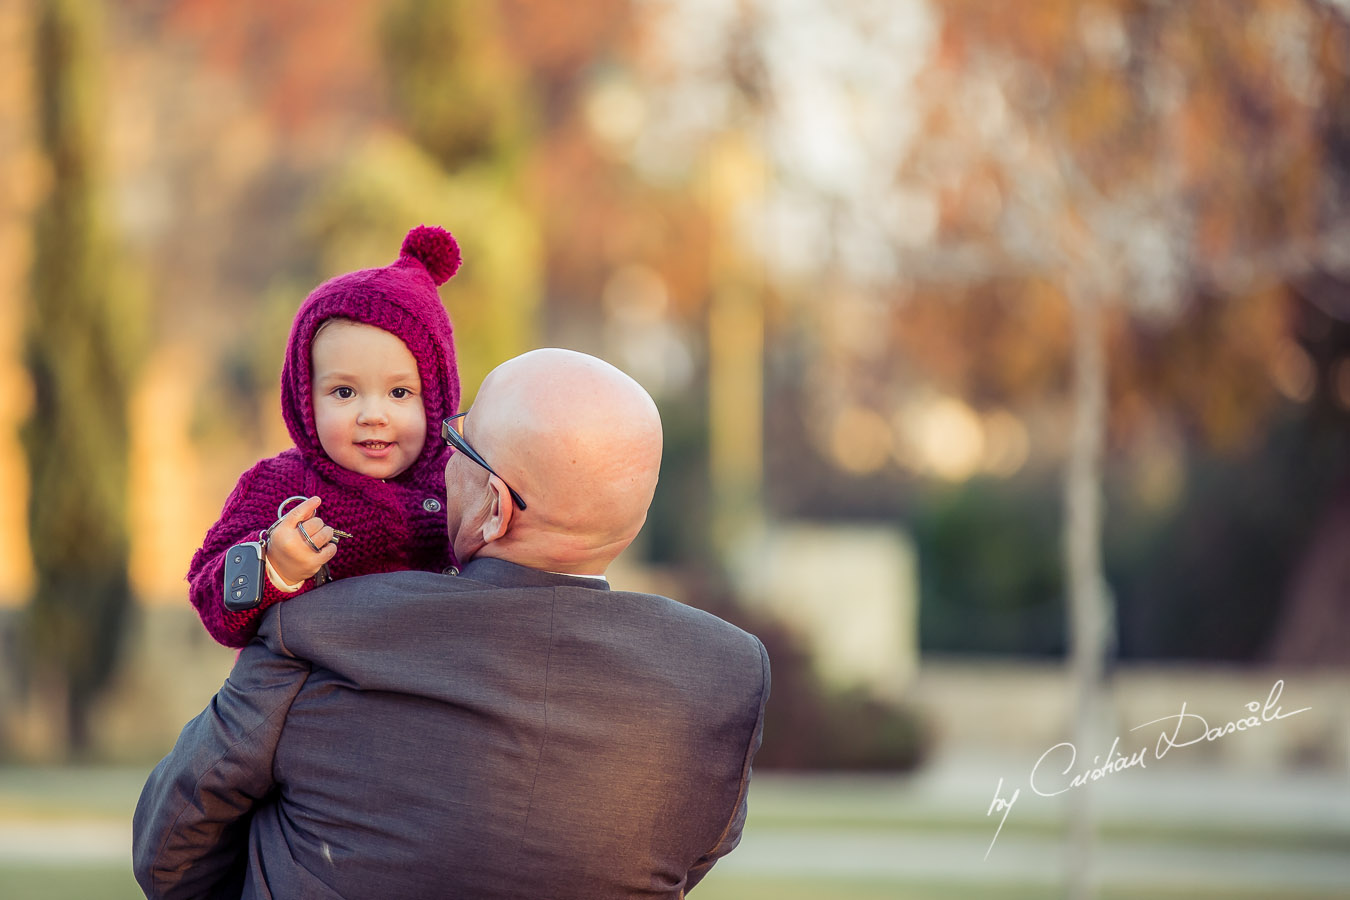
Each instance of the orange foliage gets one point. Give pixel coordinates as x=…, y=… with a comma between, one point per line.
x=560, y=39
x=303, y=59
x=1191, y=111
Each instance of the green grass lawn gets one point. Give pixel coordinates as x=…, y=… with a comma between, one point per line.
x=76, y=882
x=803, y=810
x=108, y=882
x=805, y=889
x=81, y=882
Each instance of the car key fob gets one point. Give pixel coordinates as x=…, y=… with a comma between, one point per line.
x=243, y=576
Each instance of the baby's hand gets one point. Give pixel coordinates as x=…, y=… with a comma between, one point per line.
x=292, y=558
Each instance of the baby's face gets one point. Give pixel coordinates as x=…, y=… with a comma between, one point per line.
x=367, y=399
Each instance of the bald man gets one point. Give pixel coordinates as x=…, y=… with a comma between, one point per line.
x=512, y=729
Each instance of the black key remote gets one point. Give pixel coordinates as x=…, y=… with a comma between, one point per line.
x=243, y=576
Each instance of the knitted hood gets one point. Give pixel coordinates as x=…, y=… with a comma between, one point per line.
x=400, y=298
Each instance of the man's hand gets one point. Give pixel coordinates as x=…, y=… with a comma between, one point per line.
x=292, y=558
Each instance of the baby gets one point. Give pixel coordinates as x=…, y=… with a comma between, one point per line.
x=368, y=377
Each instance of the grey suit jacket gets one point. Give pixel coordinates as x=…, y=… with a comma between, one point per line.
x=500, y=733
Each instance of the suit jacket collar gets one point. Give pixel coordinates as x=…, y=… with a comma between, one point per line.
x=508, y=574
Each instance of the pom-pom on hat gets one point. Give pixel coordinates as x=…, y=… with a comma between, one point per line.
x=435, y=248
x=400, y=298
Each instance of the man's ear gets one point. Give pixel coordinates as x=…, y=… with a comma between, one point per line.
x=499, y=513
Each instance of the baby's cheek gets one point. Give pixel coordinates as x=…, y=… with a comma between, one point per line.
x=416, y=427
x=331, y=429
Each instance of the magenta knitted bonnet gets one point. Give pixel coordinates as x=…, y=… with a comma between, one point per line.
x=400, y=298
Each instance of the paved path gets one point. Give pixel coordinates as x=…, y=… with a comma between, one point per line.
x=1177, y=823
x=67, y=842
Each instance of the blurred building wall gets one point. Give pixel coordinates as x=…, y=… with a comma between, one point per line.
x=849, y=591
x=1019, y=709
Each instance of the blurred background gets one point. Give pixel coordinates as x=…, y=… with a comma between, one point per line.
x=1003, y=352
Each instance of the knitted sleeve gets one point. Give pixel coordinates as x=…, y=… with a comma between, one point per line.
x=251, y=507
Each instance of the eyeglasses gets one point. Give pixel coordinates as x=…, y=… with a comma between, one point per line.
x=451, y=435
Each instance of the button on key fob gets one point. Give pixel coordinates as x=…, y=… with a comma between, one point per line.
x=243, y=576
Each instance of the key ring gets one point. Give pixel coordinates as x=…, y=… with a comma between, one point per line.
x=266, y=533
x=281, y=514
x=305, y=534
x=281, y=508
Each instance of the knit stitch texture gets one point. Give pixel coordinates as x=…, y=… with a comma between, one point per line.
x=396, y=524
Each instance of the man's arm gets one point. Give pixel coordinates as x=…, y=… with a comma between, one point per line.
x=732, y=835
x=190, y=829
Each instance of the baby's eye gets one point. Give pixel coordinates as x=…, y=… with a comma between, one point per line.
x=344, y=393
x=400, y=393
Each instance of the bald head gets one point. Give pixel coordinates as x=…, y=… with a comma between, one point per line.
x=580, y=441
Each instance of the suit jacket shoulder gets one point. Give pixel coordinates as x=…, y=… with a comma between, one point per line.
x=489, y=724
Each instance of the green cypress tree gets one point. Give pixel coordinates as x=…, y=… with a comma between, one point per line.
x=78, y=346
x=460, y=95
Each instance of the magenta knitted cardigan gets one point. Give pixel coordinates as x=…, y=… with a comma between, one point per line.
x=396, y=524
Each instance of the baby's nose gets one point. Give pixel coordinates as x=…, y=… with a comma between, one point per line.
x=372, y=412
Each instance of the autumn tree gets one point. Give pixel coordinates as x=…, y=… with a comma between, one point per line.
x=1158, y=167
x=1087, y=214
